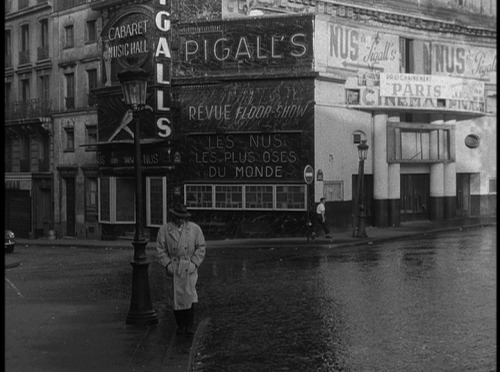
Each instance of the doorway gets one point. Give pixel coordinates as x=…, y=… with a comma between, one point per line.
x=463, y=194
x=415, y=191
x=70, y=206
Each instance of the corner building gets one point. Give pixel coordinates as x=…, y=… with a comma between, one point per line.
x=239, y=108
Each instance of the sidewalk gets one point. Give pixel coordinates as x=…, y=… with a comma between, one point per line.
x=176, y=351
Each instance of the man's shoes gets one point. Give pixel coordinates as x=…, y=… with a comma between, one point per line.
x=328, y=237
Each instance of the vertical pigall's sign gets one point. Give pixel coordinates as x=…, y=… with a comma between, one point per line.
x=163, y=68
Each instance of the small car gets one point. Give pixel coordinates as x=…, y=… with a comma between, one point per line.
x=10, y=241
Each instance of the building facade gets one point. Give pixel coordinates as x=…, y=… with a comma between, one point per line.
x=29, y=81
x=244, y=96
x=77, y=60
x=248, y=103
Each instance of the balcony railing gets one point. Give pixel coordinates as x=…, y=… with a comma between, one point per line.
x=8, y=60
x=43, y=53
x=31, y=108
x=24, y=57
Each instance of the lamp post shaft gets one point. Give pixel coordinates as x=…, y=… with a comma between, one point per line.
x=141, y=309
x=361, y=231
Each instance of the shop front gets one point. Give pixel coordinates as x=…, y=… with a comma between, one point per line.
x=244, y=118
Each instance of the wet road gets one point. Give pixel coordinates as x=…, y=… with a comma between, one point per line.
x=415, y=305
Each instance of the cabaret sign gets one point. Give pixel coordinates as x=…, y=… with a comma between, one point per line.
x=127, y=40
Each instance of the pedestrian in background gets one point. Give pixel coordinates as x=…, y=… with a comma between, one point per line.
x=180, y=246
x=321, y=218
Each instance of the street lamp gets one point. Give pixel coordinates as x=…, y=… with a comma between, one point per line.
x=362, y=152
x=134, y=84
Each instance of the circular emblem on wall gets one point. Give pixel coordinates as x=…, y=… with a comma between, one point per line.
x=128, y=40
x=472, y=141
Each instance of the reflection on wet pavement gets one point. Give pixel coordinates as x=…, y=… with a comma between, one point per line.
x=415, y=305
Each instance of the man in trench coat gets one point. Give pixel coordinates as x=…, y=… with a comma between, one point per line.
x=180, y=246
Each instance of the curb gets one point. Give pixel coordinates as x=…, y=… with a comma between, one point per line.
x=194, y=346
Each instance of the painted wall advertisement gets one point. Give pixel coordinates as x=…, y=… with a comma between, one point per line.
x=427, y=92
x=350, y=48
x=431, y=86
x=244, y=46
x=464, y=60
x=247, y=131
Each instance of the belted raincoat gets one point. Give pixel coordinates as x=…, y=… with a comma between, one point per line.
x=183, y=249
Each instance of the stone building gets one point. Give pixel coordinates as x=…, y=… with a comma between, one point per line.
x=245, y=95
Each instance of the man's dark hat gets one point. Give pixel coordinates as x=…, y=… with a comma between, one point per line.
x=180, y=210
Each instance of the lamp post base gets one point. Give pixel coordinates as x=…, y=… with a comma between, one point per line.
x=361, y=231
x=141, y=309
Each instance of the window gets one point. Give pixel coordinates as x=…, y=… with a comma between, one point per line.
x=259, y=197
x=90, y=134
x=43, y=49
x=333, y=190
x=291, y=197
x=69, y=37
x=125, y=200
x=493, y=186
x=92, y=78
x=199, y=196
x=24, y=154
x=116, y=206
x=24, y=53
x=43, y=89
x=90, y=199
x=91, y=31
x=228, y=197
x=70, y=91
x=156, y=204
x=25, y=91
x=25, y=37
x=414, y=143
x=8, y=49
x=407, y=61
x=8, y=92
x=70, y=139
x=246, y=197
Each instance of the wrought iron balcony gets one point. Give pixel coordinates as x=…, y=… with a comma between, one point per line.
x=24, y=57
x=43, y=53
x=28, y=109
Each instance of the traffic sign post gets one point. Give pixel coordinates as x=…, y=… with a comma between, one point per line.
x=308, y=174
x=308, y=179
